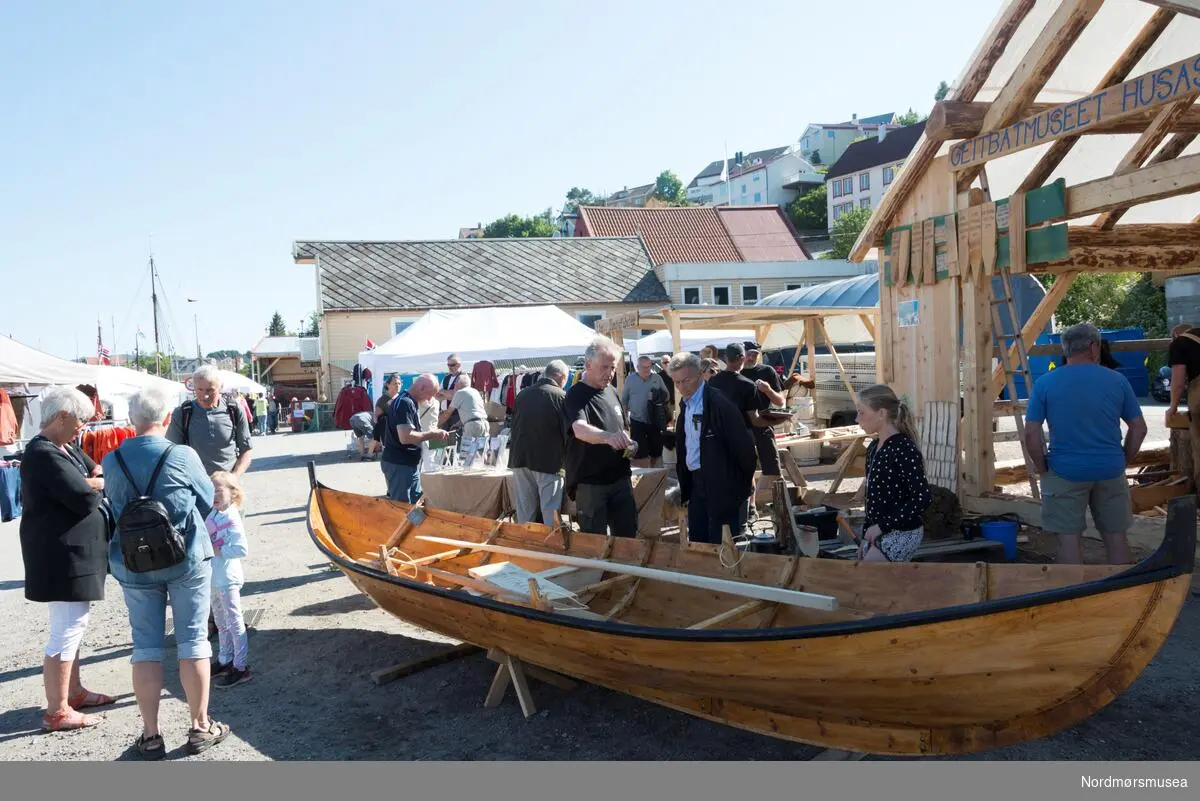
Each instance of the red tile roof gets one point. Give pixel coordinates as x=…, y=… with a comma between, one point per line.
x=675, y=235
x=762, y=233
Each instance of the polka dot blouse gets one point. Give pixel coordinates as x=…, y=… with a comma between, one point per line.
x=897, y=492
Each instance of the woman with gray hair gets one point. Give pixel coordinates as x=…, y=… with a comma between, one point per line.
x=149, y=465
x=63, y=529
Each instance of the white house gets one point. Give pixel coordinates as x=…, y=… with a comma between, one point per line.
x=763, y=178
x=866, y=170
x=824, y=143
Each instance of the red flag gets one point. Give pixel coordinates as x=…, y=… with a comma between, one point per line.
x=370, y=344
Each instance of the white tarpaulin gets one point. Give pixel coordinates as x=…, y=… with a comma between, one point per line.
x=499, y=335
x=21, y=364
x=691, y=340
x=240, y=383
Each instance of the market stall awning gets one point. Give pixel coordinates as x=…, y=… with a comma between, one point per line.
x=23, y=365
x=498, y=334
x=692, y=340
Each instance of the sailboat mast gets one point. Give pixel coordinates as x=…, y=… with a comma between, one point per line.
x=154, y=304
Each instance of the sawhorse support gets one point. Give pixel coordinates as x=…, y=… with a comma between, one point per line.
x=510, y=670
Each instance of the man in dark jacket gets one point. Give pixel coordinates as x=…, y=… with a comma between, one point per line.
x=538, y=446
x=716, y=454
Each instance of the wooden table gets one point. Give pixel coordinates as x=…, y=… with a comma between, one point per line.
x=479, y=493
x=492, y=493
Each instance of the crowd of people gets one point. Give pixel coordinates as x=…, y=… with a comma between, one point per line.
x=583, y=442
x=161, y=515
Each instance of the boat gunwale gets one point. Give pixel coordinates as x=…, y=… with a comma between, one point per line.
x=1160, y=566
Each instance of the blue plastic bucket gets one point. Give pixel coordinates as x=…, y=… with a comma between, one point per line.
x=1004, y=531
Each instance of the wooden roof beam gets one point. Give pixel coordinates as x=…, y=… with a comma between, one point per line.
x=1120, y=70
x=1144, y=259
x=1178, y=176
x=1140, y=151
x=1035, y=69
x=1137, y=235
x=983, y=60
x=1189, y=7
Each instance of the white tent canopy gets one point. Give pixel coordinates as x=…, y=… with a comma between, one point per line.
x=21, y=364
x=690, y=339
x=499, y=334
x=240, y=383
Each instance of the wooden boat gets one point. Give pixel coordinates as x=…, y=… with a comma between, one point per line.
x=901, y=659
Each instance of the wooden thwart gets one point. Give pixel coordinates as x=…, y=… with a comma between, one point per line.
x=790, y=597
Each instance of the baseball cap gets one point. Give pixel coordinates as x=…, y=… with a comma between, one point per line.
x=734, y=350
x=750, y=345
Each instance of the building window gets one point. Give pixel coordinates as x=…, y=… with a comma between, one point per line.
x=847, y=185
x=743, y=189
x=865, y=203
x=691, y=296
x=401, y=323
x=796, y=286
x=749, y=294
x=864, y=181
x=837, y=189
x=589, y=318
x=829, y=134
x=720, y=295
x=758, y=197
x=757, y=177
x=888, y=175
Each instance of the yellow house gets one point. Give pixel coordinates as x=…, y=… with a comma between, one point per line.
x=371, y=291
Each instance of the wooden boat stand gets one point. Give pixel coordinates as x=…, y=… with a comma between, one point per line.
x=511, y=670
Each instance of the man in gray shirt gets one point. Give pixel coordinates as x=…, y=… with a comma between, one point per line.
x=645, y=430
x=217, y=431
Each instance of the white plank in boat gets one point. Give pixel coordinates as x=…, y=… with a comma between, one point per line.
x=515, y=579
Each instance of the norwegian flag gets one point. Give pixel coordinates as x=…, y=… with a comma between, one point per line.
x=370, y=344
x=102, y=353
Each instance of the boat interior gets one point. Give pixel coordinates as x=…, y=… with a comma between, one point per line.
x=670, y=588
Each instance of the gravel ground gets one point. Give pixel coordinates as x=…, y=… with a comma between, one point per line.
x=316, y=640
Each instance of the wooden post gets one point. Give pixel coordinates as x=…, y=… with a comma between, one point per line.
x=672, y=319
x=837, y=360
x=978, y=463
x=810, y=334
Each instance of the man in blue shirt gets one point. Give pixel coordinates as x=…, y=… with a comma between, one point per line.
x=401, y=460
x=1084, y=403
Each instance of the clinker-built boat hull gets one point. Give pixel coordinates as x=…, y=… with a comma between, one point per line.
x=918, y=658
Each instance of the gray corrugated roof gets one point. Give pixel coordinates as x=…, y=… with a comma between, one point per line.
x=483, y=272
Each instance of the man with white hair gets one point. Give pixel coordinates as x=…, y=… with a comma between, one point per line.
x=716, y=454
x=472, y=417
x=217, y=430
x=1084, y=403
x=598, y=449
x=539, y=444
x=401, y=460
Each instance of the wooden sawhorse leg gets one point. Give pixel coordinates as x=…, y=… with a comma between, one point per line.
x=510, y=670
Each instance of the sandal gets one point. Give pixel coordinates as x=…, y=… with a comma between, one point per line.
x=69, y=720
x=86, y=699
x=199, y=740
x=152, y=747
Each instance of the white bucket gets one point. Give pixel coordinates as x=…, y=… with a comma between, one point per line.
x=806, y=454
x=803, y=407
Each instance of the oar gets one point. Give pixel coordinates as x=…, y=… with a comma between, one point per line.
x=748, y=590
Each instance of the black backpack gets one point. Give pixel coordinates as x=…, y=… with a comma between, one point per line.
x=148, y=540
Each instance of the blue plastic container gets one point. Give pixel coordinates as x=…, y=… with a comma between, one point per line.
x=1004, y=531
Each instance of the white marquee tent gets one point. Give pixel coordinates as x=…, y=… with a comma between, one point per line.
x=691, y=339
x=499, y=334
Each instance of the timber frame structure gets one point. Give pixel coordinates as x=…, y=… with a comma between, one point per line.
x=1098, y=95
x=763, y=320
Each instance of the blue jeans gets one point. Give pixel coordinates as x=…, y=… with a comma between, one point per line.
x=403, y=481
x=190, y=600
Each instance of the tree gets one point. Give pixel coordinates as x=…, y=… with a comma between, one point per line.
x=816, y=158
x=942, y=90
x=313, y=328
x=1094, y=298
x=668, y=187
x=908, y=118
x=845, y=231
x=514, y=226
x=577, y=197
x=276, y=328
x=809, y=211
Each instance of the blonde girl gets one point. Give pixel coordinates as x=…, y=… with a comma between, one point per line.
x=229, y=548
x=897, y=492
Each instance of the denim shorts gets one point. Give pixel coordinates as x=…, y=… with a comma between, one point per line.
x=190, y=599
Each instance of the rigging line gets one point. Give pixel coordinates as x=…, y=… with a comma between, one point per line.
x=132, y=305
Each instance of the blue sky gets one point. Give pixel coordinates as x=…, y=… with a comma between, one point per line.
x=228, y=132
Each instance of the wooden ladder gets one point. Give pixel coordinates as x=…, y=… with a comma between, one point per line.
x=1023, y=359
